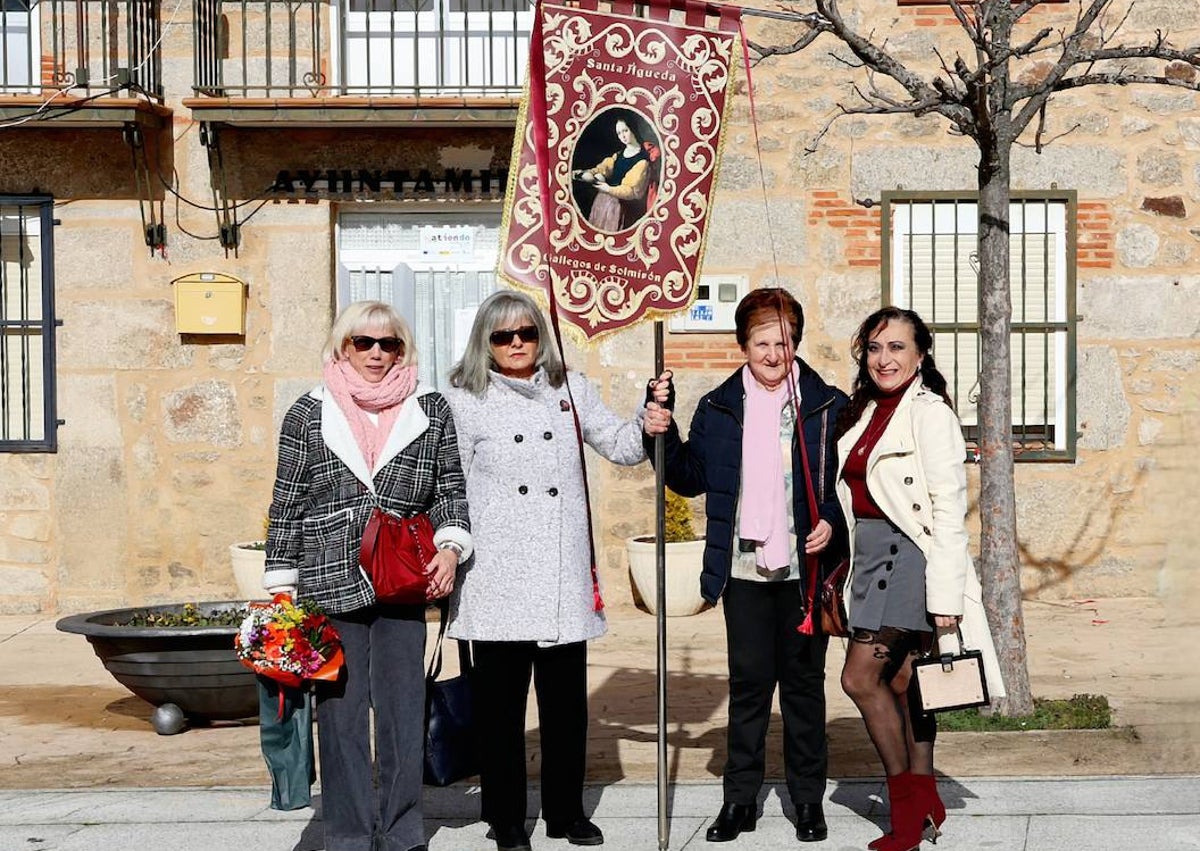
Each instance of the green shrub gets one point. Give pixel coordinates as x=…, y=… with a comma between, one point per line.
x=678, y=519
x=1079, y=712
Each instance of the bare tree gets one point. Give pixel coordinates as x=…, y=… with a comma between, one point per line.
x=994, y=88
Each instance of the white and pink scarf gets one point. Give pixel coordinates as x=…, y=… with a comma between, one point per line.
x=763, y=516
x=357, y=397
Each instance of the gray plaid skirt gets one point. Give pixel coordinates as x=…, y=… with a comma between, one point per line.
x=887, y=586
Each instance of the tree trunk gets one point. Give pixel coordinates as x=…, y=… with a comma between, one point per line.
x=999, y=559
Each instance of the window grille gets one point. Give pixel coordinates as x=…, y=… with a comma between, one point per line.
x=28, y=420
x=932, y=268
x=435, y=269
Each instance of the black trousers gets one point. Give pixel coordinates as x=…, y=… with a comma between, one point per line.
x=502, y=671
x=764, y=650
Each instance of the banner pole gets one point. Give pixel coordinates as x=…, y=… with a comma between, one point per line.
x=660, y=594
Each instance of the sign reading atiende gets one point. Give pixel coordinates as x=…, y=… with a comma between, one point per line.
x=327, y=182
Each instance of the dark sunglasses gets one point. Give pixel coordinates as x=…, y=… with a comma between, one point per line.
x=362, y=343
x=527, y=333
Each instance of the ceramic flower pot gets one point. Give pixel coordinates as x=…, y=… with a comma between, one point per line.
x=248, y=565
x=683, y=575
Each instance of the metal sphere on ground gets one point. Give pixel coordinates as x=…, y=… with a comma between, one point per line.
x=168, y=720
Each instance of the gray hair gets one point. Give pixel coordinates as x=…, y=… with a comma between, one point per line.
x=504, y=309
x=363, y=316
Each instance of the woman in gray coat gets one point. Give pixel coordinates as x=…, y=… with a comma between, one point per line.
x=369, y=436
x=529, y=600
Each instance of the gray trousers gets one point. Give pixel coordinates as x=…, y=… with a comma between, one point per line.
x=384, y=648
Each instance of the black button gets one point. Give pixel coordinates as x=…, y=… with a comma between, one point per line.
x=887, y=566
x=882, y=584
x=518, y=437
x=553, y=491
x=548, y=435
x=522, y=490
x=893, y=549
x=916, y=506
x=908, y=480
x=925, y=529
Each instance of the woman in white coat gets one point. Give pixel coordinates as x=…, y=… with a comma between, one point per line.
x=903, y=489
x=529, y=600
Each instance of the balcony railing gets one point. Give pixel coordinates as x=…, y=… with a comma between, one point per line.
x=333, y=48
x=80, y=47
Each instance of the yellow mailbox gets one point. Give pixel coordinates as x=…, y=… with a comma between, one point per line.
x=210, y=303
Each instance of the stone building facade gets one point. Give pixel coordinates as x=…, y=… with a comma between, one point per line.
x=165, y=453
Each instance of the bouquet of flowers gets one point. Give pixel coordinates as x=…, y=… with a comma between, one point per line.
x=289, y=642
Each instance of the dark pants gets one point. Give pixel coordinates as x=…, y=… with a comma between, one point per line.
x=764, y=649
x=384, y=648
x=502, y=671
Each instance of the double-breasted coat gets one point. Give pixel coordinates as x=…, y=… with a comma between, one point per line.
x=916, y=476
x=324, y=494
x=531, y=578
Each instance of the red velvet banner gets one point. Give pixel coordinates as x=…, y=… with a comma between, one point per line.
x=621, y=120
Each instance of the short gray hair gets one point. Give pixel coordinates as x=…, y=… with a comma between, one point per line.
x=501, y=309
x=363, y=316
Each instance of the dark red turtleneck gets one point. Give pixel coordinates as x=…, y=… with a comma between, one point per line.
x=855, y=470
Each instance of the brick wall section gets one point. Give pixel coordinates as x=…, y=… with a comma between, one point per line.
x=1095, y=235
x=940, y=14
x=860, y=226
x=702, y=351
x=930, y=16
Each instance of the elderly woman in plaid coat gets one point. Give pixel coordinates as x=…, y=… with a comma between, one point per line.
x=368, y=436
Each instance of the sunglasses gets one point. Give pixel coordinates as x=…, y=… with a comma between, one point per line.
x=527, y=333
x=362, y=343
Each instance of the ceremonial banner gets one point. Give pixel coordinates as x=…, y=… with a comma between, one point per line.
x=625, y=115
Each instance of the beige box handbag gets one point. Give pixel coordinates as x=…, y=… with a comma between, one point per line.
x=952, y=678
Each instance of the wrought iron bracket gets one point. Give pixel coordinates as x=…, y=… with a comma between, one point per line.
x=154, y=228
x=229, y=231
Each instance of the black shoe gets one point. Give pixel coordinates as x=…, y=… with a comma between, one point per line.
x=579, y=832
x=510, y=837
x=810, y=823
x=732, y=820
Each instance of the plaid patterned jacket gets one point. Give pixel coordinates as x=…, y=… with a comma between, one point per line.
x=324, y=494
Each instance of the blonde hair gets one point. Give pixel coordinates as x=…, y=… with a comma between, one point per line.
x=363, y=316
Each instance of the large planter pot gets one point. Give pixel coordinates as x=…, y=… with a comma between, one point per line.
x=683, y=575
x=248, y=565
x=194, y=668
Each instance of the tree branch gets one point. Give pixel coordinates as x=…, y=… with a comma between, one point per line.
x=1124, y=78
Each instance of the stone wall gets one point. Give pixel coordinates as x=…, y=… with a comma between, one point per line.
x=167, y=452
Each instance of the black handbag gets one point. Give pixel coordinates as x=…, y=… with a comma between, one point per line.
x=449, y=730
x=946, y=681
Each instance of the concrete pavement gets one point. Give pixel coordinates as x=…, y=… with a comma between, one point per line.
x=1014, y=814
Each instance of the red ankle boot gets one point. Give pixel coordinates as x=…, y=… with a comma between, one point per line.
x=931, y=806
x=908, y=817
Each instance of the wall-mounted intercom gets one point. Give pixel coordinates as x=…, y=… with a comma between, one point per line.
x=717, y=298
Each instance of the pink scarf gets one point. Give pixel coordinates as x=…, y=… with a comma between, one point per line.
x=764, y=515
x=356, y=397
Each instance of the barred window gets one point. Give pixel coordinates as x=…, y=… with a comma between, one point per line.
x=434, y=268
x=931, y=246
x=27, y=414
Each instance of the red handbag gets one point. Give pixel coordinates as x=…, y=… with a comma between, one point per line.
x=394, y=553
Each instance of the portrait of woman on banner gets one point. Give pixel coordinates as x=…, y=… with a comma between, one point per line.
x=615, y=189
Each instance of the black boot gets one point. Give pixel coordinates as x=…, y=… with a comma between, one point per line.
x=732, y=820
x=579, y=832
x=810, y=823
